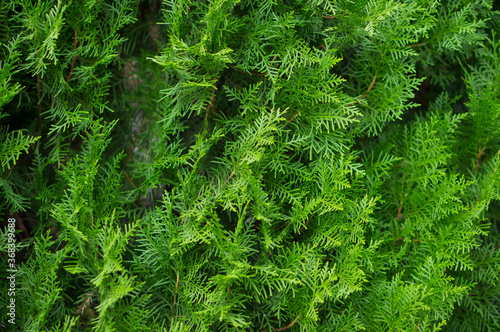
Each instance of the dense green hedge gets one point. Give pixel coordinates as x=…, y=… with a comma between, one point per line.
x=250, y=165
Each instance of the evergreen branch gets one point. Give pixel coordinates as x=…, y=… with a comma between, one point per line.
x=300, y=230
x=248, y=73
x=13, y=144
x=351, y=104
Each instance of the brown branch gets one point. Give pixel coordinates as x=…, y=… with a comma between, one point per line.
x=279, y=227
x=478, y=157
x=175, y=295
x=74, y=59
x=291, y=119
x=285, y=327
x=39, y=97
x=129, y=180
x=301, y=229
x=230, y=176
x=365, y=94
x=10, y=170
x=81, y=308
x=417, y=45
x=289, y=325
x=369, y=88
x=212, y=102
x=400, y=215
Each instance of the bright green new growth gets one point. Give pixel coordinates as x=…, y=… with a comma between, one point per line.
x=305, y=165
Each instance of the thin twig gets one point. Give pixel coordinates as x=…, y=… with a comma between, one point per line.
x=417, y=45
x=74, y=58
x=478, y=157
x=400, y=215
x=279, y=227
x=10, y=170
x=39, y=97
x=175, y=295
x=285, y=327
x=369, y=88
x=129, y=179
x=291, y=119
x=81, y=308
x=230, y=176
x=212, y=102
x=358, y=101
x=301, y=229
x=289, y=325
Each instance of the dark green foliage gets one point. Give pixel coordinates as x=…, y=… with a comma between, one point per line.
x=225, y=165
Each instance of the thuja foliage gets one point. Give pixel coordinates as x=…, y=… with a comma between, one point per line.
x=251, y=165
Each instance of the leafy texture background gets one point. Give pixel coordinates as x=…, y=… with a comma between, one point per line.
x=244, y=165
